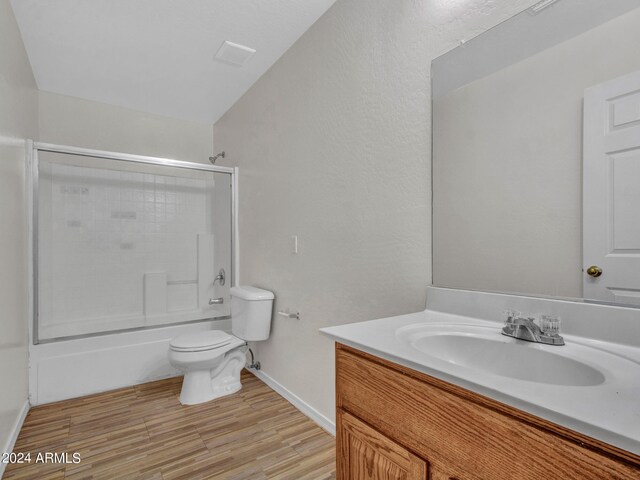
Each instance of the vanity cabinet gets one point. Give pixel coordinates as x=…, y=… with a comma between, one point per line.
x=396, y=423
x=370, y=455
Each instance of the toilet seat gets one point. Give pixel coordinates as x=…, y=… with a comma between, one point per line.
x=201, y=341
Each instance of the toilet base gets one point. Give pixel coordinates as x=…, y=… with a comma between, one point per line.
x=200, y=386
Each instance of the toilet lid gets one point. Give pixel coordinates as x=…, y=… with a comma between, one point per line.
x=201, y=341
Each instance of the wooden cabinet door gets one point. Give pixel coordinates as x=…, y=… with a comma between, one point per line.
x=365, y=454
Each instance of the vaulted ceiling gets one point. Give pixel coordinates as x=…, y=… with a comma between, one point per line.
x=158, y=56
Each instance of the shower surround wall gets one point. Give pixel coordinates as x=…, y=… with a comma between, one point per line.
x=121, y=249
x=333, y=146
x=124, y=249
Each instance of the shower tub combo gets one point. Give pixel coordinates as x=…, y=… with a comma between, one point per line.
x=128, y=252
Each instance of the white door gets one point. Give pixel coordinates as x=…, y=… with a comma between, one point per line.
x=611, y=194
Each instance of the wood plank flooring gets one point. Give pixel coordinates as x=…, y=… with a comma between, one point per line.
x=143, y=432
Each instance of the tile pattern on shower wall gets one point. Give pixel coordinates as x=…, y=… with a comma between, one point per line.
x=106, y=230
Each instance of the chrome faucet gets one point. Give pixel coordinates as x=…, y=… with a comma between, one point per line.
x=527, y=329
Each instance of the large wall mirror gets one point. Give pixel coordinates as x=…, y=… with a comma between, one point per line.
x=536, y=155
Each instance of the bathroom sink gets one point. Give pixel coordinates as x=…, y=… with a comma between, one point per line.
x=589, y=384
x=484, y=348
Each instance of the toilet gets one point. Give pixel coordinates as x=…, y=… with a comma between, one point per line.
x=212, y=360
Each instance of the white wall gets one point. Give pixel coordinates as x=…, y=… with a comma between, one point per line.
x=18, y=121
x=333, y=145
x=83, y=123
x=508, y=199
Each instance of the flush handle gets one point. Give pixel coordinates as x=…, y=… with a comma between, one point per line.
x=594, y=271
x=216, y=301
x=220, y=277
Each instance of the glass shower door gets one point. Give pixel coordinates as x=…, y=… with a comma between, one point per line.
x=123, y=245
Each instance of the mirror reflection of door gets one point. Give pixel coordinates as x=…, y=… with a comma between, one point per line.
x=611, y=194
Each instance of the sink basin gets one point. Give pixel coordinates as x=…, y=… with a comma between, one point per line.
x=590, y=385
x=484, y=348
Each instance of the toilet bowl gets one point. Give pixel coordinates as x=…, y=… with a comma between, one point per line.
x=212, y=360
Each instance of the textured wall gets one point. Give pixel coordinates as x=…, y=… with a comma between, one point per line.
x=18, y=121
x=333, y=145
x=508, y=199
x=83, y=123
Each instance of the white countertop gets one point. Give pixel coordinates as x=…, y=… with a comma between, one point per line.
x=609, y=411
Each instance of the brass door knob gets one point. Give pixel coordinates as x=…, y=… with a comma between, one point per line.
x=594, y=271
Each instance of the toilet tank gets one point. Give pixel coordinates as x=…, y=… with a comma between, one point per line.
x=251, y=312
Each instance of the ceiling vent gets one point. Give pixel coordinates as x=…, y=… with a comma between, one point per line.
x=234, y=54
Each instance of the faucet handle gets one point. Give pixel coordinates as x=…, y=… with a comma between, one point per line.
x=550, y=324
x=510, y=315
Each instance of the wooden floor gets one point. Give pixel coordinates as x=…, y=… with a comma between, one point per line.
x=143, y=432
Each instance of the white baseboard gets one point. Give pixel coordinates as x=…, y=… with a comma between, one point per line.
x=15, y=431
x=324, y=422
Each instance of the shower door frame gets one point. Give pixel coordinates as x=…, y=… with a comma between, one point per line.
x=33, y=201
